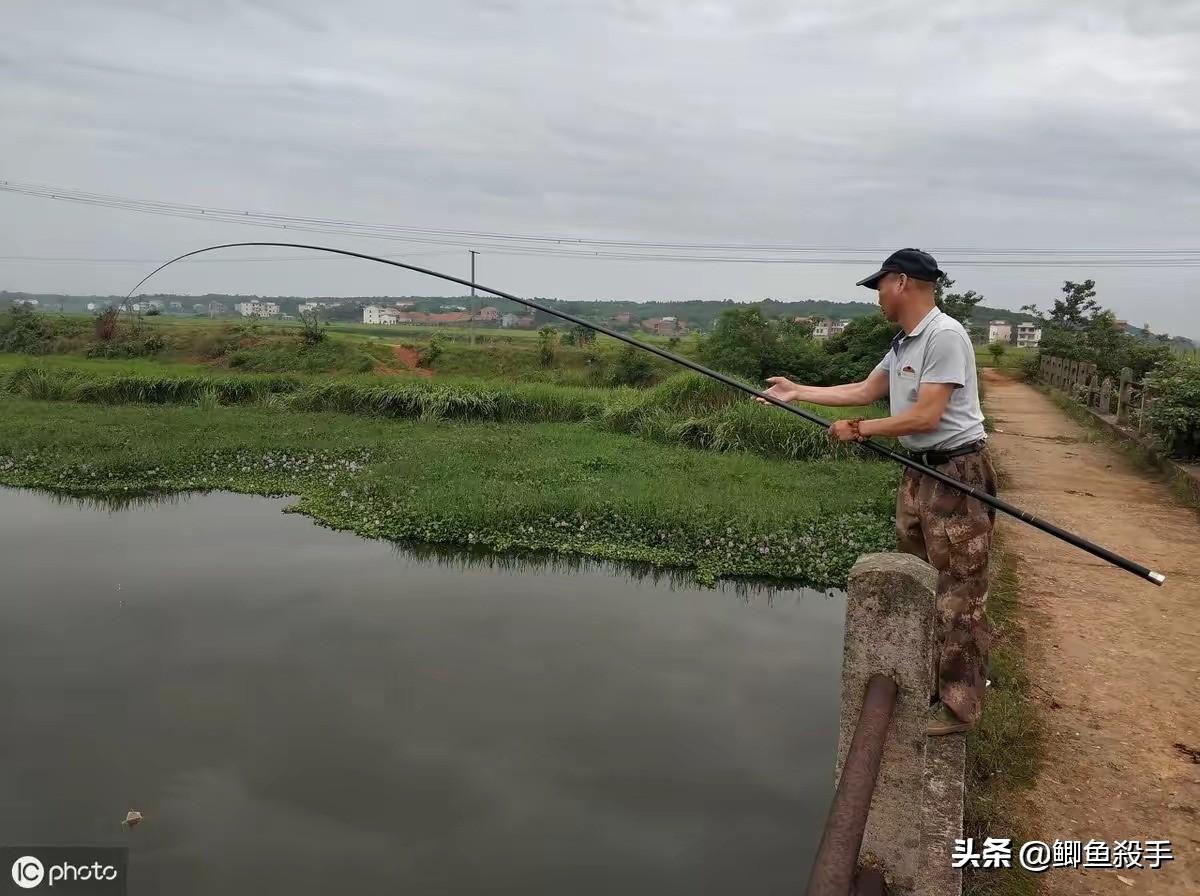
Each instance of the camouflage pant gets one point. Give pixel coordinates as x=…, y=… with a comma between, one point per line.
x=954, y=533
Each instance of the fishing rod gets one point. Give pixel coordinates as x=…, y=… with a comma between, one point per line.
x=1024, y=516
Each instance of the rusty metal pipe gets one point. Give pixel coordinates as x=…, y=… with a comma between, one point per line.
x=834, y=867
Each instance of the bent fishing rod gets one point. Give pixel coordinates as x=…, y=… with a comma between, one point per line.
x=882, y=450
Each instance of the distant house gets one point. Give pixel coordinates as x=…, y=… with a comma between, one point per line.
x=488, y=315
x=176, y=306
x=827, y=328
x=380, y=315
x=200, y=308
x=216, y=309
x=1029, y=334
x=999, y=331
x=517, y=321
x=625, y=319
x=257, y=308
x=307, y=307
x=664, y=326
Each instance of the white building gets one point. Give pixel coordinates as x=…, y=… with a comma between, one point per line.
x=177, y=306
x=1029, y=334
x=827, y=328
x=200, y=308
x=307, y=307
x=257, y=308
x=378, y=314
x=999, y=331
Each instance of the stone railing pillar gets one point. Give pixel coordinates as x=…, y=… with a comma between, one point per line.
x=916, y=810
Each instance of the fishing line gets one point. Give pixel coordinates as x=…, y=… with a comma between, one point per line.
x=1024, y=516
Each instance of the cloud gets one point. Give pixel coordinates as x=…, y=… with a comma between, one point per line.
x=1019, y=125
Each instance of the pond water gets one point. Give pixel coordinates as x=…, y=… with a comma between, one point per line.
x=298, y=711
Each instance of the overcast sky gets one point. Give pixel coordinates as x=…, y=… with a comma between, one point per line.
x=1001, y=125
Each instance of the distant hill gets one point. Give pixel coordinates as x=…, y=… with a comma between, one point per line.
x=699, y=313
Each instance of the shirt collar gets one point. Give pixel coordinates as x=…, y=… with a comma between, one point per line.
x=917, y=330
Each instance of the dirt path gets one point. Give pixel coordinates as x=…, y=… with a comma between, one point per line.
x=1115, y=662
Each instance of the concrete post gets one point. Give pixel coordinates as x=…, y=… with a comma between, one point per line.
x=1106, y=390
x=916, y=812
x=1124, y=396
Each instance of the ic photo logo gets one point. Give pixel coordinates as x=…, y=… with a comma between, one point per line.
x=98, y=870
x=27, y=872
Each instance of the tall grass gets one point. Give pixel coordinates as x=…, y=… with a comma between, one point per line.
x=685, y=410
x=50, y=384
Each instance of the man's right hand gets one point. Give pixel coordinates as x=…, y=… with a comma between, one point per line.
x=781, y=388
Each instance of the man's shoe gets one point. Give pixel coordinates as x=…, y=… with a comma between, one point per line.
x=943, y=721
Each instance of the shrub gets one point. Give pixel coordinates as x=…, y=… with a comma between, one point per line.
x=1175, y=414
x=24, y=330
x=430, y=353
x=632, y=368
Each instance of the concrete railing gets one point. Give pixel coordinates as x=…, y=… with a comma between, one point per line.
x=901, y=824
x=1122, y=408
x=1126, y=400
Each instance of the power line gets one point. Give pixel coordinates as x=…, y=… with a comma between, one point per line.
x=611, y=249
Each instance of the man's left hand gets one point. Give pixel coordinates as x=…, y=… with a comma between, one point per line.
x=845, y=431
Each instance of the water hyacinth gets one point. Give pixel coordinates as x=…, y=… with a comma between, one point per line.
x=333, y=491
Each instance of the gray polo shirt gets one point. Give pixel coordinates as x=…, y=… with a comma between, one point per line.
x=938, y=350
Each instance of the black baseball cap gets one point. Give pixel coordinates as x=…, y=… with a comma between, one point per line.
x=917, y=264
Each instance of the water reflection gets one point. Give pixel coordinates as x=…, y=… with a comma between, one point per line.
x=460, y=558
x=108, y=502
x=296, y=710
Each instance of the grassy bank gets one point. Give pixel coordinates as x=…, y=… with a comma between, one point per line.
x=685, y=410
x=535, y=486
x=1004, y=751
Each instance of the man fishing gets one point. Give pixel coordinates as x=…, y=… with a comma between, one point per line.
x=929, y=376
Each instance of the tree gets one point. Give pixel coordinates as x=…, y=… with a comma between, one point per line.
x=959, y=305
x=1077, y=308
x=105, y=324
x=547, y=343
x=997, y=350
x=314, y=330
x=854, y=352
x=740, y=343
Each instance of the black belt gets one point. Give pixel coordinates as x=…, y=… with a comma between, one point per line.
x=935, y=458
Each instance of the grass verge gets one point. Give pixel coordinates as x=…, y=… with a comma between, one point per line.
x=1005, y=749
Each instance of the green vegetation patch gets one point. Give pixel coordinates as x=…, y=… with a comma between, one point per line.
x=545, y=486
x=687, y=409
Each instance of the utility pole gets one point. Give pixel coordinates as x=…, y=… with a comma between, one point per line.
x=474, y=311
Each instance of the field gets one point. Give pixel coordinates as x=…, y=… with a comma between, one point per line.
x=1012, y=358
x=489, y=445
